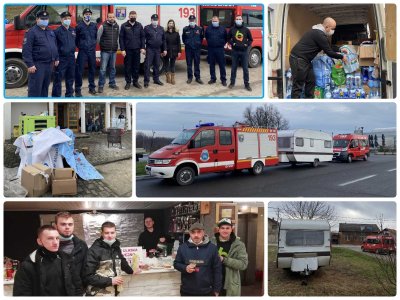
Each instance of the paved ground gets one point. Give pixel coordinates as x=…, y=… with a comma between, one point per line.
x=181, y=89
x=373, y=178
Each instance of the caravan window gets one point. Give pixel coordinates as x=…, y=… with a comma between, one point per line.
x=311, y=142
x=299, y=142
x=328, y=144
x=304, y=238
x=284, y=142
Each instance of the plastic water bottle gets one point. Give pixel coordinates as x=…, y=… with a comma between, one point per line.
x=175, y=247
x=363, y=96
x=335, y=93
x=352, y=94
x=370, y=72
x=349, y=81
x=289, y=84
x=328, y=94
x=357, y=80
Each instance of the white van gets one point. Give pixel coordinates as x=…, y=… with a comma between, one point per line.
x=288, y=22
x=304, y=245
x=304, y=146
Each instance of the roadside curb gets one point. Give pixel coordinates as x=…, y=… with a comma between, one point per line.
x=143, y=177
x=112, y=160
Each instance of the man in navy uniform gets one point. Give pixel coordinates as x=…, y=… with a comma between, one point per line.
x=65, y=36
x=155, y=44
x=39, y=52
x=216, y=37
x=192, y=37
x=86, y=39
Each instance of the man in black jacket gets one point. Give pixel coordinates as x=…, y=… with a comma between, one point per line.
x=150, y=237
x=131, y=42
x=105, y=263
x=240, y=39
x=304, y=52
x=72, y=245
x=46, y=271
x=199, y=263
x=107, y=37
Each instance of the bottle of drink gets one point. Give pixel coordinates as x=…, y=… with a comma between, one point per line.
x=349, y=81
x=365, y=77
x=328, y=94
x=289, y=84
x=352, y=94
x=357, y=80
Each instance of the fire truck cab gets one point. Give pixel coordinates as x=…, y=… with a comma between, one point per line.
x=347, y=147
x=211, y=149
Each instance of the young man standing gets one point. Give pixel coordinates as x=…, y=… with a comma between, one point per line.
x=149, y=238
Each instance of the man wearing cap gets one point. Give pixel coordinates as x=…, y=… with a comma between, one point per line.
x=107, y=38
x=233, y=255
x=86, y=39
x=192, y=37
x=65, y=35
x=155, y=44
x=131, y=43
x=40, y=54
x=216, y=37
x=200, y=266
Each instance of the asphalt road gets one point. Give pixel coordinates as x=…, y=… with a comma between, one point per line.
x=373, y=178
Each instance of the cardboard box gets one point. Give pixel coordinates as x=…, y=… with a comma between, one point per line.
x=36, y=179
x=365, y=62
x=367, y=51
x=64, y=182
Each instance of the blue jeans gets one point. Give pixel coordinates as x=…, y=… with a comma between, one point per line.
x=243, y=57
x=107, y=61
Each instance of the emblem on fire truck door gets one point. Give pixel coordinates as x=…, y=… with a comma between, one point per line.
x=241, y=138
x=204, y=155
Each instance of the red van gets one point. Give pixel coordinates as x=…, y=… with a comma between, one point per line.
x=379, y=244
x=347, y=147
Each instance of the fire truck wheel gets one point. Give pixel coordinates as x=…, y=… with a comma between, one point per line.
x=185, y=176
x=365, y=157
x=257, y=168
x=254, y=58
x=315, y=163
x=349, y=159
x=16, y=73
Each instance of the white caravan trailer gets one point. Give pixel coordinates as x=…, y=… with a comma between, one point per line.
x=304, y=146
x=304, y=245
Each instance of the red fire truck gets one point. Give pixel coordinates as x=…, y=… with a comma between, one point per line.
x=209, y=149
x=379, y=244
x=16, y=72
x=347, y=147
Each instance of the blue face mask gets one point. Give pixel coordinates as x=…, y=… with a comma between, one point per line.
x=192, y=24
x=87, y=18
x=239, y=22
x=215, y=24
x=67, y=23
x=43, y=23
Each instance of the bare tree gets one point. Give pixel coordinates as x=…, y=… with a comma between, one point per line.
x=265, y=116
x=385, y=272
x=380, y=221
x=309, y=210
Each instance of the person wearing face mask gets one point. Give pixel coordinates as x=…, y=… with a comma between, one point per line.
x=311, y=43
x=105, y=263
x=86, y=39
x=46, y=271
x=155, y=46
x=65, y=35
x=73, y=246
x=233, y=255
x=216, y=37
x=192, y=37
x=107, y=38
x=173, y=41
x=131, y=42
x=240, y=39
x=198, y=261
x=40, y=54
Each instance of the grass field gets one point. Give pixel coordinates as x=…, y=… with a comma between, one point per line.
x=140, y=170
x=350, y=274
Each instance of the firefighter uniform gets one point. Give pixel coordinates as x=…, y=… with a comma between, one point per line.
x=66, y=51
x=39, y=49
x=192, y=37
x=216, y=39
x=155, y=44
x=86, y=39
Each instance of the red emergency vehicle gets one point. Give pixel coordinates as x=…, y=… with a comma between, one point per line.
x=252, y=18
x=347, y=147
x=379, y=244
x=209, y=149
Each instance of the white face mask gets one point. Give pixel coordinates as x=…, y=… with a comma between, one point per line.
x=330, y=33
x=109, y=242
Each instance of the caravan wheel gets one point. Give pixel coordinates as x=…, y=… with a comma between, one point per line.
x=315, y=163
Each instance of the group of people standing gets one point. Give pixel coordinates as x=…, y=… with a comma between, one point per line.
x=63, y=265
x=45, y=50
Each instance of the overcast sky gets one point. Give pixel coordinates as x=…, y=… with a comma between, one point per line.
x=361, y=212
x=167, y=119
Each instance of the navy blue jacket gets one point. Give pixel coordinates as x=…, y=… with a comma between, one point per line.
x=193, y=37
x=216, y=36
x=66, y=41
x=86, y=36
x=155, y=38
x=39, y=46
x=131, y=37
x=209, y=276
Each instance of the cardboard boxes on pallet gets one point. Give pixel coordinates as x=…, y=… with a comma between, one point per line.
x=36, y=179
x=64, y=182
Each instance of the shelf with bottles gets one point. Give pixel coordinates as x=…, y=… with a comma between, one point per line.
x=185, y=209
